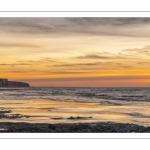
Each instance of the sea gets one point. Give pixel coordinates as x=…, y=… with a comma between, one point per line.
x=76, y=94
x=125, y=104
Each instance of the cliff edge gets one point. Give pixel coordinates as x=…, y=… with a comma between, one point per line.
x=6, y=83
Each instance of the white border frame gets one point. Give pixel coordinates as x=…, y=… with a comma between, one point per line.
x=74, y=135
x=74, y=14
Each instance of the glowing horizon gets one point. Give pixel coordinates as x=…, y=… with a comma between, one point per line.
x=80, y=52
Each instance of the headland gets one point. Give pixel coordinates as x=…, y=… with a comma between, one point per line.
x=6, y=83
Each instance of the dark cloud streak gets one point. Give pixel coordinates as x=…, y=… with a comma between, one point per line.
x=75, y=26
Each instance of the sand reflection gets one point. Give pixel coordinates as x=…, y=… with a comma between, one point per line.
x=50, y=111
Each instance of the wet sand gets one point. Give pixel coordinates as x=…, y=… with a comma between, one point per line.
x=52, y=111
x=51, y=116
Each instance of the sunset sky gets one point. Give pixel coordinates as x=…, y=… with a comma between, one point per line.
x=81, y=52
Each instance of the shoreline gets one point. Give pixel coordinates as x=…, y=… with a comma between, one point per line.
x=99, y=127
x=54, y=112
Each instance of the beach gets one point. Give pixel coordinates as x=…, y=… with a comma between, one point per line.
x=52, y=111
x=53, y=116
x=110, y=109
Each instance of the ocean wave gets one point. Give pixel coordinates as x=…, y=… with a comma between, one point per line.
x=76, y=94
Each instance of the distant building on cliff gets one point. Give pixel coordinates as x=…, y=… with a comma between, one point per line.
x=6, y=83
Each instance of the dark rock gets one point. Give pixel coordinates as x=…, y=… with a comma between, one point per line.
x=78, y=117
x=51, y=126
x=5, y=111
x=103, y=127
x=57, y=118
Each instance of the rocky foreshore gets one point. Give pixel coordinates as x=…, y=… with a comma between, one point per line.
x=102, y=127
